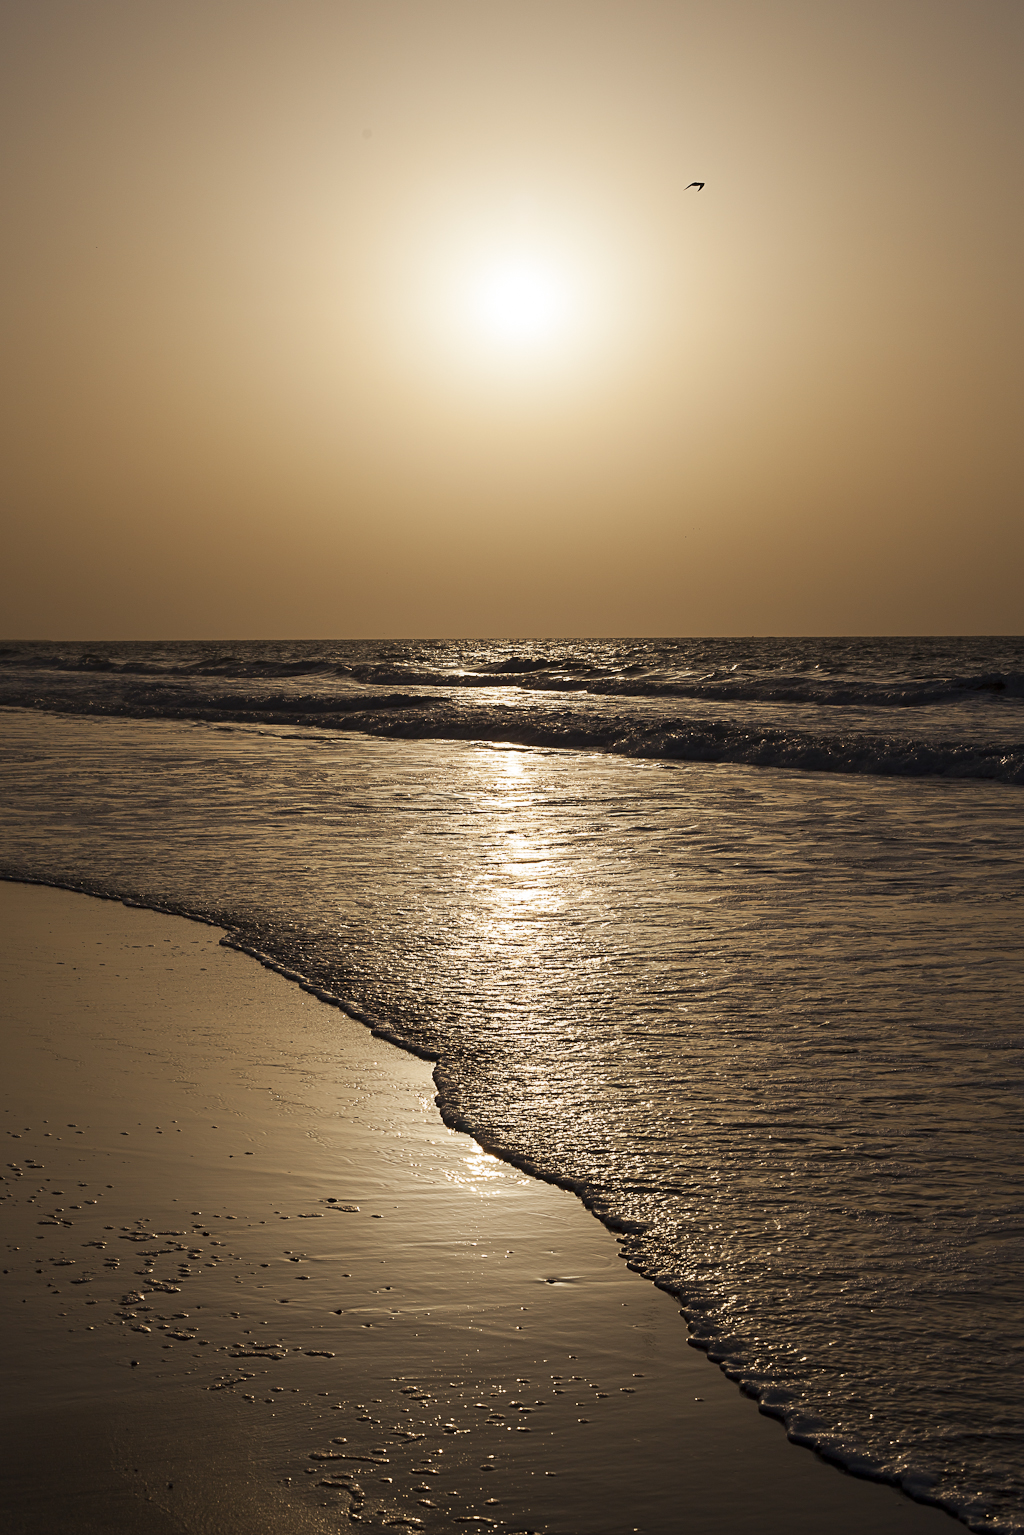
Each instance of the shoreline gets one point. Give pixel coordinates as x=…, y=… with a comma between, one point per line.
x=468, y=1333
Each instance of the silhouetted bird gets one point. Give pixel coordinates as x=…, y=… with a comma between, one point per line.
x=698, y=184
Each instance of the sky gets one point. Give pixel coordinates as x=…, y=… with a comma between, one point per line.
x=366, y=318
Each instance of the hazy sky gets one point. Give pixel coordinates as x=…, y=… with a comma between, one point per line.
x=393, y=317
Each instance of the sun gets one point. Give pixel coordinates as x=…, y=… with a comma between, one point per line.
x=521, y=303
x=522, y=292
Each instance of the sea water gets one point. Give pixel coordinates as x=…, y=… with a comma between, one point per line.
x=724, y=935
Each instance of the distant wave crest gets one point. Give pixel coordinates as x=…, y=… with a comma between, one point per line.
x=532, y=672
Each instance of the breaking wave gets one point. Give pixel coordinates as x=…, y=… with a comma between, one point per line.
x=413, y=717
x=598, y=675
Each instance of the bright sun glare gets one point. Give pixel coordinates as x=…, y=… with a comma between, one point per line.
x=521, y=303
x=515, y=296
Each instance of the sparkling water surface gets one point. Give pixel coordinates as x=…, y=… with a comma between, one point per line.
x=911, y=707
x=767, y=1023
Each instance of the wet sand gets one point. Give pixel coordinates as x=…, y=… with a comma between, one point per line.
x=252, y=1283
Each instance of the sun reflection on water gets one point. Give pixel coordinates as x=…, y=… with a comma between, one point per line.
x=521, y=877
x=482, y=1171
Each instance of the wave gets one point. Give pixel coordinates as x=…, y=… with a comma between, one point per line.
x=414, y=717
x=99, y=663
x=838, y=693
x=537, y=673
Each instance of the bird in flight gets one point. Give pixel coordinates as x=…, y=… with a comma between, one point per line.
x=698, y=184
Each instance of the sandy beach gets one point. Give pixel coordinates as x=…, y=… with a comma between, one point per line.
x=435, y=1342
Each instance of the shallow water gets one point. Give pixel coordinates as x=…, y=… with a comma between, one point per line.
x=764, y=1021
x=767, y=1022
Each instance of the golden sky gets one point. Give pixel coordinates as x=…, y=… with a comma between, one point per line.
x=395, y=317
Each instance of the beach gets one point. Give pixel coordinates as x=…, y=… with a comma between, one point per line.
x=442, y=1342
x=512, y=759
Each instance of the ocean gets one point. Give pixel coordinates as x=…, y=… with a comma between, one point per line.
x=724, y=935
